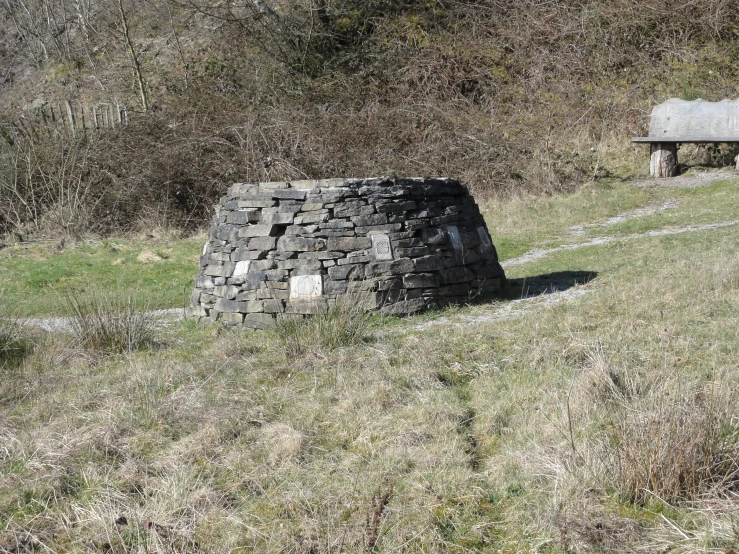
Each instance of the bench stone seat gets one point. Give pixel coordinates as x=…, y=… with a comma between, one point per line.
x=682, y=122
x=688, y=140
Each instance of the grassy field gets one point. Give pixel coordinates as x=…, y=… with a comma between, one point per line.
x=599, y=418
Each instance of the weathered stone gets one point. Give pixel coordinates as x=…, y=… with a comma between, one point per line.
x=204, y=282
x=233, y=318
x=273, y=185
x=354, y=258
x=307, y=307
x=243, y=254
x=456, y=275
x=395, y=267
x=312, y=217
x=332, y=288
x=262, y=243
x=336, y=225
x=320, y=255
x=367, y=220
x=301, y=230
x=278, y=219
x=256, y=203
x=420, y=280
x=412, y=252
x=456, y=241
x=353, y=209
x=301, y=264
x=224, y=305
x=196, y=312
x=428, y=263
x=224, y=270
x=259, y=321
x=396, y=207
x=257, y=231
x=404, y=307
x=273, y=306
x=343, y=272
x=289, y=194
x=300, y=244
x=434, y=237
x=312, y=207
x=290, y=207
x=195, y=296
x=242, y=217
x=382, y=229
x=349, y=243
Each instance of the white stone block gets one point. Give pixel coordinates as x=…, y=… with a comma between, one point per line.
x=306, y=287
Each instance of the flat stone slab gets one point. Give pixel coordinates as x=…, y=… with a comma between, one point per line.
x=306, y=287
x=678, y=120
x=381, y=248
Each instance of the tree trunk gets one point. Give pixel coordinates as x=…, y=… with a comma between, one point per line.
x=663, y=162
x=134, y=58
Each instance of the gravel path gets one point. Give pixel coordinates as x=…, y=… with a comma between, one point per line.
x=669, y=204
x=64, y=324
x=538, y=253
x=697, y=179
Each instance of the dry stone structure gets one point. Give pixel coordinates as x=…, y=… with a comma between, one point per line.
x=295, y=247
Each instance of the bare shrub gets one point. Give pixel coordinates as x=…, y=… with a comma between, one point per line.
x=46, y=186
x=113, y=322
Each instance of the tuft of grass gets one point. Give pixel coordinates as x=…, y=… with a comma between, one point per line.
x=113, y=322
x=12, y=347
x=676, y=444
x=345, y=323
x=7, y=327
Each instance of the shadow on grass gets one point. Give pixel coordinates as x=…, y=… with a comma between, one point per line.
x=548, y=283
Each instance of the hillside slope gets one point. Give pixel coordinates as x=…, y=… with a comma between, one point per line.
x=507, y=96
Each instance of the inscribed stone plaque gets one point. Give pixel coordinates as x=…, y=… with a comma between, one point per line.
x=485, y=243
x=241, y=269
x=381, y=247
x=456, y=240
x=306, y=287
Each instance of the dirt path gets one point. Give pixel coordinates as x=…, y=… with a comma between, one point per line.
x=669, y=204
x=538, y=253
x=64, y=324
x=695, y=180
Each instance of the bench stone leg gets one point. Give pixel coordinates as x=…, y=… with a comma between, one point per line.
x=663, y=161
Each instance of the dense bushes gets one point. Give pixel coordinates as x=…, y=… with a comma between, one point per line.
x=505, y=96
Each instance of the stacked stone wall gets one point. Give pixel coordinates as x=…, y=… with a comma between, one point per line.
x=297, y=247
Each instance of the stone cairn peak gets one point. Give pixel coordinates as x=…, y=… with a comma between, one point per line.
x=283, y=249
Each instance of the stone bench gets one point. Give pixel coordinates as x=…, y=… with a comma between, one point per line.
x=676, y=122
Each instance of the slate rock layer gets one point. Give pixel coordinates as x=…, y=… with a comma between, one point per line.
x=282, y=249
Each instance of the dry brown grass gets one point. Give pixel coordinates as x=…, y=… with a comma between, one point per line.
x=507, y=97
x=524, y=434
x=111, y=321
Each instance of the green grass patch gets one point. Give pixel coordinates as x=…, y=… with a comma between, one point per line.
x=36, y=277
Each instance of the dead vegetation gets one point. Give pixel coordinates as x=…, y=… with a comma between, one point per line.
x=507, y=97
